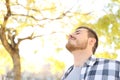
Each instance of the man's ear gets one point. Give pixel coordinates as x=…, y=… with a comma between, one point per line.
x=92, y=41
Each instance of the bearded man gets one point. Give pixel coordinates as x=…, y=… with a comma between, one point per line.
x=82, y=44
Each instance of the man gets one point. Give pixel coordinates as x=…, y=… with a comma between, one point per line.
x=82, y=44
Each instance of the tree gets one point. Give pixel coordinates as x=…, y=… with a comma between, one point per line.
x=17, y=17
x=108, y=30
x=11, y=47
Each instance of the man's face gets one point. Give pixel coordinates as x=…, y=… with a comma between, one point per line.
x=78, y=40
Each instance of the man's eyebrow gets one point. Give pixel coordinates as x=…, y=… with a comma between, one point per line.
x=78, y=30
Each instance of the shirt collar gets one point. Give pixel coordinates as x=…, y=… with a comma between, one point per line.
x=91, y=61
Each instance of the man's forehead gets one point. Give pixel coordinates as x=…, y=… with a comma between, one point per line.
x=81, y=29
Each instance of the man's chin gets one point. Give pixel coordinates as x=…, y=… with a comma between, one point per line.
x=69, y=47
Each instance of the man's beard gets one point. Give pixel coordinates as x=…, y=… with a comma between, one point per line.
x=72, y=47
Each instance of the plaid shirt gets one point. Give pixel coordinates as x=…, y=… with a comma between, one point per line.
x=98, y=69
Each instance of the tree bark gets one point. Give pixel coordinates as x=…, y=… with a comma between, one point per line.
x=17, y=66
x=14, y=53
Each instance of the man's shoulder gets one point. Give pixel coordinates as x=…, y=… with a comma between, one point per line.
x=104, y=60
x=101, y=61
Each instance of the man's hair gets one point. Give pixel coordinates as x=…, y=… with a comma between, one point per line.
x=92, y=34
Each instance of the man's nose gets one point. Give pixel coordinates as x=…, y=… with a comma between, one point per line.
x=71, y=36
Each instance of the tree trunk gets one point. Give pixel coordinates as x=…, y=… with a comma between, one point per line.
x=17, y=66
x=14, y=53
x=12, y=50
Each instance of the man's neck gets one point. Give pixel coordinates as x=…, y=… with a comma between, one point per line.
x=81, y=57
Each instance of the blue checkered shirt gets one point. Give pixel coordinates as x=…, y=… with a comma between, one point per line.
x=98, y=69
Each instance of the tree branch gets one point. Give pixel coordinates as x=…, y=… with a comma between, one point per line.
x=3, y=29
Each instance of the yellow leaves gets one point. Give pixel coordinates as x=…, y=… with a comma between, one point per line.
x=2, y=11
x=115, y=31
x=21, y=27
x=57, y=66
x=30, y=4
x=50, y=9
x=2, y=70
x=1, y=19
x=5, y=61
x=108, y=26
x=106, y=55
x=117, y=1
x=2, y=0
x=73, y=19
x=19, y=23
x=36, y=14
x=30, y=1
x=46, y=5
x=77, y=18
